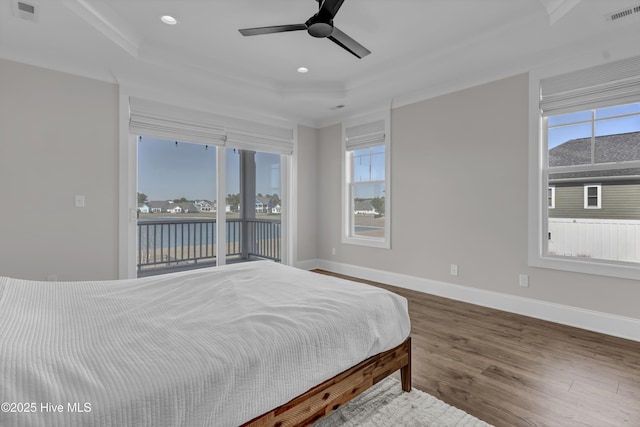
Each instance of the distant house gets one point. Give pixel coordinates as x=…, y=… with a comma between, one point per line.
x=364, y=207
x=260, y=205
x=605, y=194
x=143, y=208
x=266, y=204
x=157, y=206
x=189, y=207
x=204, y=206
x=276, y=209
x=174, y=208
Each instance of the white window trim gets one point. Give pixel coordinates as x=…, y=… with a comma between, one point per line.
x=538, y=197
x=552, y=188
x=599, y=196
x=347, y=214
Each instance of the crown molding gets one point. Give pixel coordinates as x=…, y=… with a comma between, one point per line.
x=101, y=17
x=556, y=9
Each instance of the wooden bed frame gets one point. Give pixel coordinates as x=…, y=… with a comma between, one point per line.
x=333, y=393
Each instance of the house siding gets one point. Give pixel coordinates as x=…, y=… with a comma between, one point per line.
x=619, y=201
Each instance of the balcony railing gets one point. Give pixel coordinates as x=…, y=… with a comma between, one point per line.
x=183, y=243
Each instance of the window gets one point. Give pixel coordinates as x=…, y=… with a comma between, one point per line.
x=247, y=163
x=366, y=196
x=177, y=199
x=253, y=204
x=592, y=196
x=585, y=133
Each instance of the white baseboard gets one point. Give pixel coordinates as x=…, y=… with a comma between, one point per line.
x=610, y=324
x=308, y=264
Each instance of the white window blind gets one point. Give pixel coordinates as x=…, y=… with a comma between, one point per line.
x=365, y=135
x=248, y=135
x=158, y=120
x=150, y=118
x=605, y=85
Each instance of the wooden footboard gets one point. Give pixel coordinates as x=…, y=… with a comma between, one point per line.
x=333, y=393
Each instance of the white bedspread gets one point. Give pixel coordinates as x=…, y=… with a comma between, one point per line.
x=211, y=347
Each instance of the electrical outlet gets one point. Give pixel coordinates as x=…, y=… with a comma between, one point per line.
x=524, y=280
x=333, y=251
x=454, y=269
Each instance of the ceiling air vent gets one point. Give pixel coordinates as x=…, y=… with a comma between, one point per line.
x=25, y=10
x=623, y=13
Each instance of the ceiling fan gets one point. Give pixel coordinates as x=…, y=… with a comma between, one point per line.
x=319, y=25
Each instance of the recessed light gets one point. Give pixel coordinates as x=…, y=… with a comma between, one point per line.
x=169, y=20
x=303, y=70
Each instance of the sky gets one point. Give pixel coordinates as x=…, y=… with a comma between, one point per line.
x=168, y=171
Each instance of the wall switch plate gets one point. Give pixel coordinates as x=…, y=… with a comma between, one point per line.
x=79, y=201
x=524, y=280
x=454, y=269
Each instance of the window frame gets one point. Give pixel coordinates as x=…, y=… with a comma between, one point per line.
x=249, y=132
x=538, y=184
x=551, y=196
x=598, y=188
x=348, y=184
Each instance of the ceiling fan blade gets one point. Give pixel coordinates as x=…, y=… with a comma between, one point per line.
x=272, y=29
x=331, y=6
x=343, y=40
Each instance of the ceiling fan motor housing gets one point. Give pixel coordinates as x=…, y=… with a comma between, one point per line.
x=320, y=25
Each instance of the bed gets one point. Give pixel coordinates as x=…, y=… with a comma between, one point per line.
x=256, y=343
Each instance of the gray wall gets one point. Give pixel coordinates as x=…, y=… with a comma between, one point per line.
x=460, y=194
x=58, y=139
x=307, y=186
x=459, y=182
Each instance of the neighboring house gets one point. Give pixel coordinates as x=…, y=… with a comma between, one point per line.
x=174, y=208
x=168, y=206
x=189, y=207
x=604, y=194
x=276, y=210
x=157, y=206
x=204, y=206
x=260, y=206
x=364, y=207
x=266, y=204
x=143, y=208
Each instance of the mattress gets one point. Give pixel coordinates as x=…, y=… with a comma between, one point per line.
x=210, y=347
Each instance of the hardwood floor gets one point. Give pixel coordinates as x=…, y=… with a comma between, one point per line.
x=512, y=370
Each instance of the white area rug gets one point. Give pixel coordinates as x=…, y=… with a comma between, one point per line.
x=386, y=405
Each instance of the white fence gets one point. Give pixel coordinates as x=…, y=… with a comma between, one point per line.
x=617, y=240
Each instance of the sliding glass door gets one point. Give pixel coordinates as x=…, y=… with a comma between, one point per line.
x=253, y=205
x=179, y=208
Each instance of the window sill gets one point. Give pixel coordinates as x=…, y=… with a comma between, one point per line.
x=366, y=241
x=597, y=267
